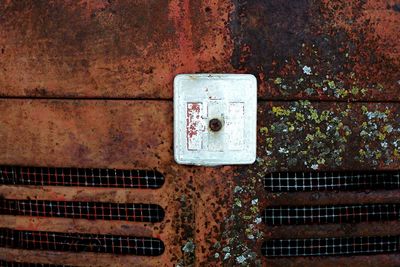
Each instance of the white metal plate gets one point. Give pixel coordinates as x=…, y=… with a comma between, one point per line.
x=230, y=98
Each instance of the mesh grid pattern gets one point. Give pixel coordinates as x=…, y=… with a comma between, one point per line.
x=286, y=215
x=74, y=242
x=83, y=210
x=26, y=264
x=330, y=246
x=80, y=177
x=351, y=180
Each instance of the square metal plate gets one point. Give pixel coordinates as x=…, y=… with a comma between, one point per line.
x=229, y=101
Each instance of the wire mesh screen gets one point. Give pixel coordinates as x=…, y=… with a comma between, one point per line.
x=83, y=210
x=74, y=242
x=330, y=246
x=80, y=177
x=286, y=215
x=351, y=180
x=26, y=264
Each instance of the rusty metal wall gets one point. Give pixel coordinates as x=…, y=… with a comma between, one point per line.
x=89, y=84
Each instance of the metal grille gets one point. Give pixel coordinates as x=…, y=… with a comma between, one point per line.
x=309, y=181
x=330, y=246
x=26, y=264
x=286, y=215
x=74, y=242
x=83, y=210
x=80, y=177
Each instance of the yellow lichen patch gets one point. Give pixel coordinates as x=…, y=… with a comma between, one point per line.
x=396, y=153
x=280, y=111
x=309, y=137
x=269, y=142
x=291, y=126
x=264, y=130
x=300, y=117
x=278, y=80
x=381, y=136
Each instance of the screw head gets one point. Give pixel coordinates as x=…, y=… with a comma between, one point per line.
x=215, y=125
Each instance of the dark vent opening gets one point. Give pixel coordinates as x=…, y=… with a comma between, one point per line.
x=14, y=175
x=26, y=264
x=83, y=210
x=290, y=215
x=349, y=180
x=345, y=246
x=74, y=242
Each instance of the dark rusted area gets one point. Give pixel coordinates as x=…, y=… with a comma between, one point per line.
x=390, y=260
x=319, y=49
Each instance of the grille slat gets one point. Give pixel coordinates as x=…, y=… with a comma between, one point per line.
x=288, y=215
x=26, y=264
x=344, y=246
x=75, y=242
x=42, y=176
x=83, y=210
x=351, y=180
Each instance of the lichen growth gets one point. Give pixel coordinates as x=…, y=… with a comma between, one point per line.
x=244, y=220
x=313, y=135
x=379, y=138
x=321, y=81
x=324, y=135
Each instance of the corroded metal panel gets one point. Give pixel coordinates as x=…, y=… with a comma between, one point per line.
x=99, y=48
x=319, y=49
x=306, y=50
x=212, y=214
x=335, y=50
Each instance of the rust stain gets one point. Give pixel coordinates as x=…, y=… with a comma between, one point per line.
x=109, y=48
x=337, y=50
x=180, y=13
x=192, y=118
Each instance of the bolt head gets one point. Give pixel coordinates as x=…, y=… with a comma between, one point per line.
x=215, y=125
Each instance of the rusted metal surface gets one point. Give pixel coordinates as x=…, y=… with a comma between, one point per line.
x=311, y=49
x=210, y=212
x=99, y=48
x=46, y=131
x=319, y=49
x=305, y=50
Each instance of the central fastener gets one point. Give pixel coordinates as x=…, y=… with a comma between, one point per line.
x=215, y=125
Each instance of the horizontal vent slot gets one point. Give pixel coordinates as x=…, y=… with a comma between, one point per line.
x=25, y=264
x=330, y=246
x=83, y=210
x=80, y=177
x=74, y=242
x=310, y=181
x=287, y=215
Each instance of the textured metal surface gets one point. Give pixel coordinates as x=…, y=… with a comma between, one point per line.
x=309, y=49
x=99, y=48
x=319, y=49
x=211, y=208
